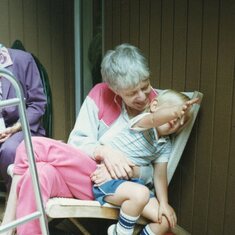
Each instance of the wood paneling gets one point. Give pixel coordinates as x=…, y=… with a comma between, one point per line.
x=154, y=42
x=190, y=46
x=46, y=29
x=134, y=21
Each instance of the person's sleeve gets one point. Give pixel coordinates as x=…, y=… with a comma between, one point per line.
x=165, y=150
x=35, y=99
x=85, y=132
x=136, y=119
x=146, y=175
x=146, y=171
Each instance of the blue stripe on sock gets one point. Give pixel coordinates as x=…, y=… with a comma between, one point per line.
x=126, y=223
x=144, y=232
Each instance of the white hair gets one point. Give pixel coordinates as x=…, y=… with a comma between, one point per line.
x=124, y=68
x=174, y=97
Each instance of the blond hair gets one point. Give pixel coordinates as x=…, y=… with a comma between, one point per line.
x=124, y=67
x=176, y=98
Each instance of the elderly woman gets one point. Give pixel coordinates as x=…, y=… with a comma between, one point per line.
x=64, y=169
x=22, y=65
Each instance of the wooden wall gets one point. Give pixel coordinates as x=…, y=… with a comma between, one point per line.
x=190, y=46
x=46, y=29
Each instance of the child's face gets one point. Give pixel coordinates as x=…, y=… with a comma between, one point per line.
x=169, y=127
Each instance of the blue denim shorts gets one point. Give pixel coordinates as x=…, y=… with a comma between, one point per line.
x=110, y=187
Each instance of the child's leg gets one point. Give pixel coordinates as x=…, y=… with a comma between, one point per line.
x=151, y=212
x=132, y=198
x=10, y=211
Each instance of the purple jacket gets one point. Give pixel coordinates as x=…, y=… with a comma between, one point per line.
x=25, y=70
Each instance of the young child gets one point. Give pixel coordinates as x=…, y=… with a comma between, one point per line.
x=145, y=141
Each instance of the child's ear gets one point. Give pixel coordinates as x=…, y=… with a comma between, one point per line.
x=154, y=105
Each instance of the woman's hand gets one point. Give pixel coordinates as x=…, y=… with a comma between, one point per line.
x=9, y=131
x=100, y=175
x=116, y=162
x=4, y=136
x=166, y=210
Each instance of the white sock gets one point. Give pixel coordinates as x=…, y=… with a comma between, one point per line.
x=126, y=223
x=147, y=231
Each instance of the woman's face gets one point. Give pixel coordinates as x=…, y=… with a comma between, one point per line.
x=137, y=98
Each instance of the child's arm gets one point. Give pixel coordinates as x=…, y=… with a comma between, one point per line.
x=161, y=188
x=165, y=114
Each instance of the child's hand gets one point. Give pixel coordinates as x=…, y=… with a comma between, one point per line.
x=189, y=104
x=166, y=210
x=100, y=175
x=182, y=109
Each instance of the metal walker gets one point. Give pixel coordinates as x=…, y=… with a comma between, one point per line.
x=19, y=100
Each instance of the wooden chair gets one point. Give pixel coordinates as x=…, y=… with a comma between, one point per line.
x=75, y=208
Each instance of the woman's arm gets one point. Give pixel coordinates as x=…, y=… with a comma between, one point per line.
x=102, y=174
x=85, y=136
x=35, y=100
x=117, y=163
x=85, y=132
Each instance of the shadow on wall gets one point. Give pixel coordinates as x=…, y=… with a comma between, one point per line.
x=95, y=57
